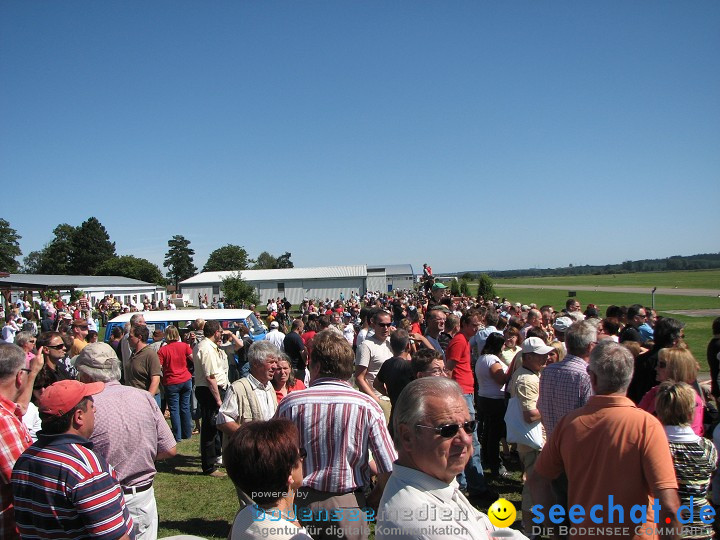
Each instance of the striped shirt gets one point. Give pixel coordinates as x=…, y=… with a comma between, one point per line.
x=338, y=425
x=14, y=439
x=64, y=490
x=564, y=387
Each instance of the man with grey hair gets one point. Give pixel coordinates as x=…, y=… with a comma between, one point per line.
x=136, y=320
x=565, y=386
x=16, y=385
x=611, y=434
x=130, y=433
x=252, y=397
x=433, y=437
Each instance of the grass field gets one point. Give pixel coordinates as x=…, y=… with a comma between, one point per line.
x=190, y=503
x=696, y=279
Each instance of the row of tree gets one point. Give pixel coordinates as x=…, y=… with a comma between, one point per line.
x=702, y=261
x=87, y=250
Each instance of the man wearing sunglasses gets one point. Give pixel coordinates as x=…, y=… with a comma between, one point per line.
x=56, y=366
x=370, y=357
x=434, y=439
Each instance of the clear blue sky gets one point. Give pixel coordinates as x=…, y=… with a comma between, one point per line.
x=470, y=135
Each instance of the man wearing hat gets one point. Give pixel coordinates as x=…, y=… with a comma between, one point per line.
x=130, y=433
x=62, y=488
x=524, y=386
x=16, y=383
x=79, y=333
x=438, y=291
x=275, y=336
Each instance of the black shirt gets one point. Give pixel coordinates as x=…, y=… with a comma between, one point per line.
x=294, y=347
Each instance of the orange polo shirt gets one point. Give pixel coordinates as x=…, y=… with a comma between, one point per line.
x=610, y=447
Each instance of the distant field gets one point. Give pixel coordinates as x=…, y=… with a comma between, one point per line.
x=557, y=298
x=697, y=331
x=695, y=279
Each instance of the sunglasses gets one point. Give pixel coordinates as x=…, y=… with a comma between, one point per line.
x=56, y=347
x=450, y=430
x=384, y=324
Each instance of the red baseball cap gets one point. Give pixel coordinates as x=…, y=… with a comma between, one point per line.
x=59, y=398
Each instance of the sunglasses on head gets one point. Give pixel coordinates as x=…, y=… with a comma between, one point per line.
x=450, y=430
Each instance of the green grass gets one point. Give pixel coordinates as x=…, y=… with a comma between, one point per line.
x=191, y=503
x=558, y=297
x=694, y=279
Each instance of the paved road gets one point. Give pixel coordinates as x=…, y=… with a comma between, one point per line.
x=636, y=290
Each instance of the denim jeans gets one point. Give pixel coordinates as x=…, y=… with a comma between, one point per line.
x=473, y=478
x=177, y=397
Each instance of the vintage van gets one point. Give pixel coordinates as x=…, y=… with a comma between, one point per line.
x=181, y=318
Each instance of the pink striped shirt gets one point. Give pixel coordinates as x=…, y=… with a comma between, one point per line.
x=338, y=425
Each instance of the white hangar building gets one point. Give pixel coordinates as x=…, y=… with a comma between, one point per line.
x=318, y=282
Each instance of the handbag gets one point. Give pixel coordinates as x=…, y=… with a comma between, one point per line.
x=522, y=432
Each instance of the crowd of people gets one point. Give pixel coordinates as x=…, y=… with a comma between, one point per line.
x=384, y=407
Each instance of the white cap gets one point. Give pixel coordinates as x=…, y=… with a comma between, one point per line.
x=535, y=345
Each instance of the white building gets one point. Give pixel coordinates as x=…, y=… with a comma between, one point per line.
x=96, y=287
x=318, y=282
x=390, y=277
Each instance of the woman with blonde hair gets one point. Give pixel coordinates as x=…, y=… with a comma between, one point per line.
x=694, y=457
x=679, y=365
x=177, y=381
x=558, y=354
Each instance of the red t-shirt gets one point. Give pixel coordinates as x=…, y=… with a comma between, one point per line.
x=299, y=385
x=458, y=350
x=173, y=358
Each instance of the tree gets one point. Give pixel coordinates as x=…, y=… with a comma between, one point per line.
x=238, y=292
x=178, y=259
x=454, y=287
x=228, y=257
x=55, y=256
x=91, y=246
x=266, y=261
x=283, y=261
x=132, y=267
x=464, y=288
x=31, y=262
x=9, y=247
x=486, y=288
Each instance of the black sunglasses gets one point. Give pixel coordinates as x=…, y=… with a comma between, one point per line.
x=384, y=324
x=450, y=430
x=56, y=347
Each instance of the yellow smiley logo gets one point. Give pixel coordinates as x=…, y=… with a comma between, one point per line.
x=502, y=513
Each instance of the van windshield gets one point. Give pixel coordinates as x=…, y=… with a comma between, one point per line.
x=254, y=325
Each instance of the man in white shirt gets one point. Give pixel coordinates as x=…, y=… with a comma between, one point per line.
x=433, y=437
x=370, y=357
x=275, y=336
x=211, y=381
x=252, y=397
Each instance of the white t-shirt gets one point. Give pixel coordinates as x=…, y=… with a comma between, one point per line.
x=487, y=387
x=371, y=354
